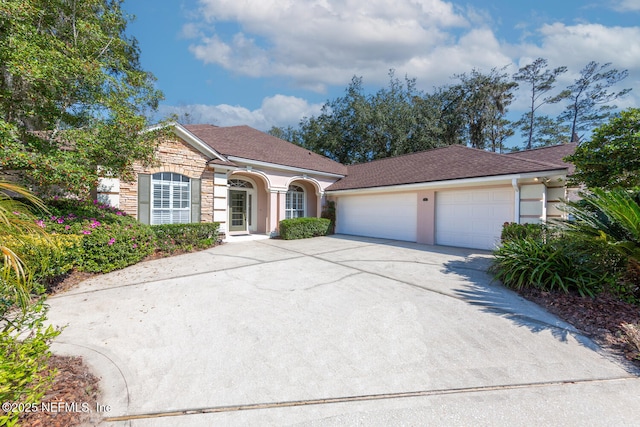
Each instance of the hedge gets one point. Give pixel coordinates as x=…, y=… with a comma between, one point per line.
x=302, y=228
x=185, y=237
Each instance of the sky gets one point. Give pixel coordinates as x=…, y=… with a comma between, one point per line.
x=265, y=63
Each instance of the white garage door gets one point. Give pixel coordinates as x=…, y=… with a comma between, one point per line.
x=472, y=218
x=390, y=216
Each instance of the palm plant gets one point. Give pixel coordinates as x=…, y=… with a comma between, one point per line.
x=16, y=220
x=609, y=216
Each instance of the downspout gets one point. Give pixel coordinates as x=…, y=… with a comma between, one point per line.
x=544, y=203
x=516, y=210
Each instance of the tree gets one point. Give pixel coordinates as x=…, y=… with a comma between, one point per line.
x=540, y=81
x=590, y=98
x=482, y=100
x=547, y=131
x=360, y=127
x=611, y=158
x=288, y=133
x=73, y=95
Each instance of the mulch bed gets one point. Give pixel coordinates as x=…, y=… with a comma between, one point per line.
x=74, y=384
x=600, y=318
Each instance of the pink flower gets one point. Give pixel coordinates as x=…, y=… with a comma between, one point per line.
x=40, y=223
x=94, y=224
x=60, y=220
x=67, y=227
x=111, y=241
x=16, y=213
x=119, y=213
x=86, y=231
x=135, y=245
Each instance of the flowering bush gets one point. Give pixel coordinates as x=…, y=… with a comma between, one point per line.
x=110, y=238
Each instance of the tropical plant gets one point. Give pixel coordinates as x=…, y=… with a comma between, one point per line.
x=610, y=216
x=558, y=264
x=24, y=341
x=612, y=219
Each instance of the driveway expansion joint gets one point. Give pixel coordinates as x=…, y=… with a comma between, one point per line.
x=362, y=398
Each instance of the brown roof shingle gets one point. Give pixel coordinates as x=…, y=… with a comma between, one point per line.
x=439, y=164
x=553, y=154
x=249, y=143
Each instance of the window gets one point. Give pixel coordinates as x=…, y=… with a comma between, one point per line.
x=171, y=195
x=294, y=204
x=239, y=183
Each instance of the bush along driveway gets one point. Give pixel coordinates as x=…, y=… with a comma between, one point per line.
x=334, y=331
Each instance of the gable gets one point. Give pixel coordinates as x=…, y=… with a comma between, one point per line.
x=244, y=143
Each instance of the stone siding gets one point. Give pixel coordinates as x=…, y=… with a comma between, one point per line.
x=174, y=155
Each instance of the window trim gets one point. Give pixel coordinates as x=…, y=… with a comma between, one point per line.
x=289, y=209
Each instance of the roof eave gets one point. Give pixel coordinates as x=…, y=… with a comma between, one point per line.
x=283, y=167
x=476, y=181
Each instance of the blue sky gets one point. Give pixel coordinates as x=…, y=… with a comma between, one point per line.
x=271, y=62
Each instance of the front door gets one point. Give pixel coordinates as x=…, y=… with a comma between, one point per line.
x=237, y=210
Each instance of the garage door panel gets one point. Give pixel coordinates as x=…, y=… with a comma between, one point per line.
x=389, y=216
x=472, y=218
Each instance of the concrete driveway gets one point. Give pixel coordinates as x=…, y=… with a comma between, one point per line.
x=333, y=331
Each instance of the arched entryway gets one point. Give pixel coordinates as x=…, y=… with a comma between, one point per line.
x=243, y=208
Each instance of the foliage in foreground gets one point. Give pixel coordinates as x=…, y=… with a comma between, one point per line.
x=302, y=228
x=558, y=264
x=514, y=231
x=599, y=250
x=612, y=218
x=24, y=342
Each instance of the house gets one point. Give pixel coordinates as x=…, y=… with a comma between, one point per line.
x=248, y=181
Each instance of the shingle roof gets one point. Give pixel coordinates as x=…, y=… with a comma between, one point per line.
x=249, y=143
x=552, y=154
x=439, y=164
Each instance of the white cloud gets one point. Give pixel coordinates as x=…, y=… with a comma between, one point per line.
x=278, y=110
x=322, y=42
x=627, y=5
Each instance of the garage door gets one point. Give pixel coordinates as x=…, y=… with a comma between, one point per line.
x=472, y=218
x=390, y=216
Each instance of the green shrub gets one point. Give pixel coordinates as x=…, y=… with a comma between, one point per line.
x=302, y=228
x=329, y=212
x=513, y=231
x=47, y=257
x=111, y=247
x=185, y=237
x=24, y=355
x=111, y=239
x=560, y=264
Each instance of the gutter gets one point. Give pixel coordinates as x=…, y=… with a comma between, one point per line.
x=451, y=183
